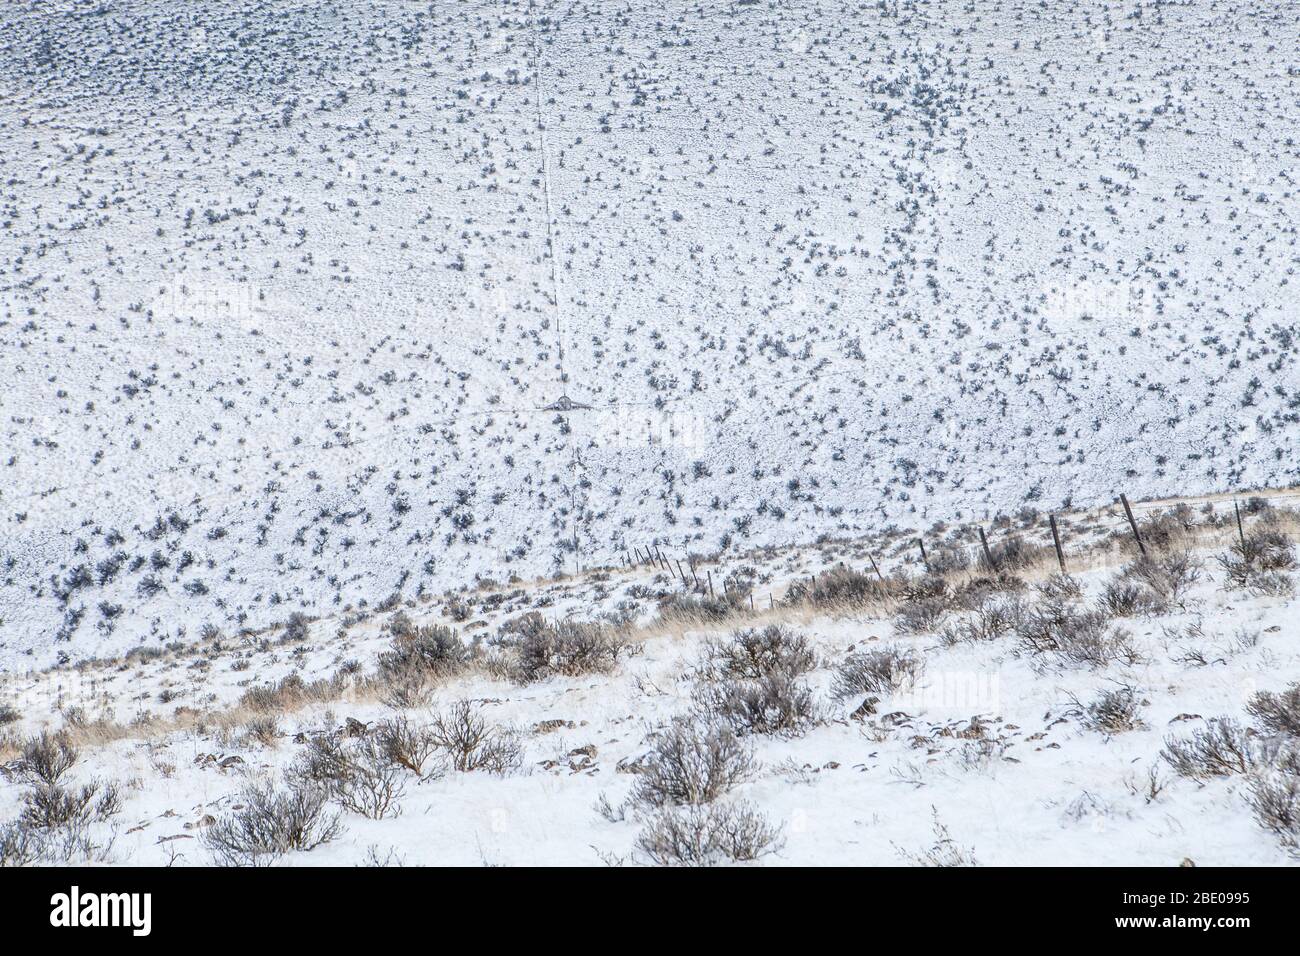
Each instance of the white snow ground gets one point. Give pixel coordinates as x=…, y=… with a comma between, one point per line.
x=286, y=288
x=1036, y=787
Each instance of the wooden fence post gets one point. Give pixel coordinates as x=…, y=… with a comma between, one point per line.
x=1056, y=540
x=1241, y=530
x=1134, y=525
x=924, y=559
x=876, y=568
x=988, y=555
x=709, y=575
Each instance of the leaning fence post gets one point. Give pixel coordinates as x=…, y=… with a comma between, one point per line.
x=924, y=560
x=1241, y=531
x=1056, y=540
x=988, y=555
x=1134, y=525
x=709, y=575
x=876, y=568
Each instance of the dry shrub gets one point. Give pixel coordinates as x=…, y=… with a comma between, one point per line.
x=922, y=616
x=777, y=703
x=1275, y=800
x=1169, y=576
x=707, y=835
x=1274, y=793
x=753, y=653
x=1013, y=554
x=841, y=587
x=417, y=660
x=925, y=602
x=356, y=774
x=567, y=648
x=264, y=730
x=1266, y=549
x=1151, y=584
x=406, y=745
x=885, y=670
x=1114, y=711
x=291, y=693
x=692, y=762
x=405, y=690
x=1121, y=598
x=23, y=845
x=1260, y=563
x=20, y=845
x=947, y=561
x=1222, y=748
x=1163, y=530
x=753, y=682
x=433, y=649
x=1273, y=584
x=470, y=743
x=46, y=758
x=1060, y=587
x=988, y=620
x=980, y=590
x=1277, y=713
x=944, y=852
x=1073, y=635
x=51, y=806
x=271, y=823
x=697, y=609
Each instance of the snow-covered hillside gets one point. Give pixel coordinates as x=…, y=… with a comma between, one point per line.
x=1139, y=712
x=291, y=292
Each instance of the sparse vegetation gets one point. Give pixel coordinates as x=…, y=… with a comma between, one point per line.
x=885, y=670
x=270, y=823
x=356, y=774
x=1073, y=635
x=567, y=648
x=1114, y=711
x=706, y=835
x=380, y=378
x=1220, y=749
x=469, y=742
x=1277, y=713
x=692, y=762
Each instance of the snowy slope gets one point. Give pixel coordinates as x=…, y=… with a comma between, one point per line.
x=990, y=741
x=286, y=289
